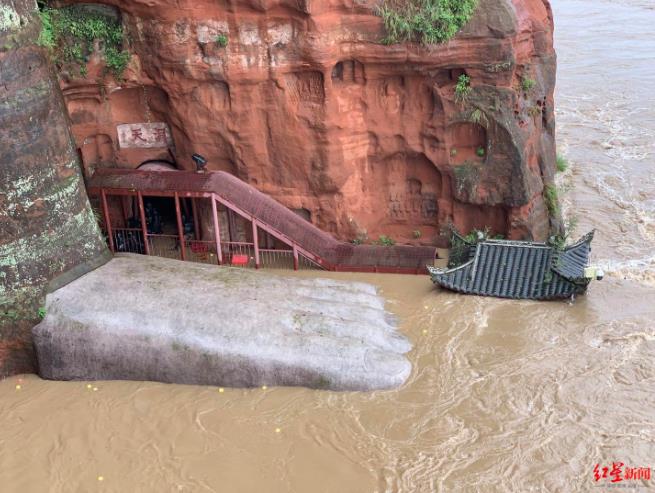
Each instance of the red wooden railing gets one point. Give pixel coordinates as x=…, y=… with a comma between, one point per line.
x=303, y=245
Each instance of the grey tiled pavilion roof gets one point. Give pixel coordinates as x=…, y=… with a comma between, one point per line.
x=520, y=270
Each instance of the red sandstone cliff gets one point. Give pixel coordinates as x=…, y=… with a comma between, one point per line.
x=306, y=104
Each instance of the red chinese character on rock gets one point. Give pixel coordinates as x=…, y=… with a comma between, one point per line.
x=160, y=135
x=137, y=134
x=616, y=472
x=597, y=474
x=639, y=473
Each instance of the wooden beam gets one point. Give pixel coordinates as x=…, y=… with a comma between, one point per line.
x=255, y=240
x=105, y=212
x=230, y=222
x=180, y=227
x=144, y=225
x=217, y=231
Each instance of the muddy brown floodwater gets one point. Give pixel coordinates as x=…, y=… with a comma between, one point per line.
x=504, y=396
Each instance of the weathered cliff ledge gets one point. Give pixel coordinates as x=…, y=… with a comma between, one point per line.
x=149, y=318
x=302, y=100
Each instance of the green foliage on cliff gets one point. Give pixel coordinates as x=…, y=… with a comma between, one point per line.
x=69, y=33
x=116, y=61
x=463, y=88
x=386, y=241
x=221, y=40
x=561, y=163
x=47, y=35
x=424, y=21
x=527, y=84
x=551, y=196
x=560, y=241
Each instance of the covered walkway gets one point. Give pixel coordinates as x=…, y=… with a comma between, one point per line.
x=217, y=218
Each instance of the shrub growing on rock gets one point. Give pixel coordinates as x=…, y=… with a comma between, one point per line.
x=463, y=88
x=386, y=241
x=424, y=21
x=528, y=84
x=69, y=33
x=551, y=196
x=221, y=40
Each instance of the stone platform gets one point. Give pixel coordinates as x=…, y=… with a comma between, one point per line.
x=149, y=318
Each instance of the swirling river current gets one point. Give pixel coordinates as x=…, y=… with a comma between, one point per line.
x=504, y=396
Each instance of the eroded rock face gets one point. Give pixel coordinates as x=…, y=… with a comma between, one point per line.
x=149, y=318
x=307, y=105
x=47, y=228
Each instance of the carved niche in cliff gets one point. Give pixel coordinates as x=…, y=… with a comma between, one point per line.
x=97, y=112
x=468, y=142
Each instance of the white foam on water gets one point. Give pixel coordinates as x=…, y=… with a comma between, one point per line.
x=627, y=139
x=640, y=270
x=606, y=123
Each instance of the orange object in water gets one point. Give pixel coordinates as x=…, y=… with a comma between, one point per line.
x=239, y=259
